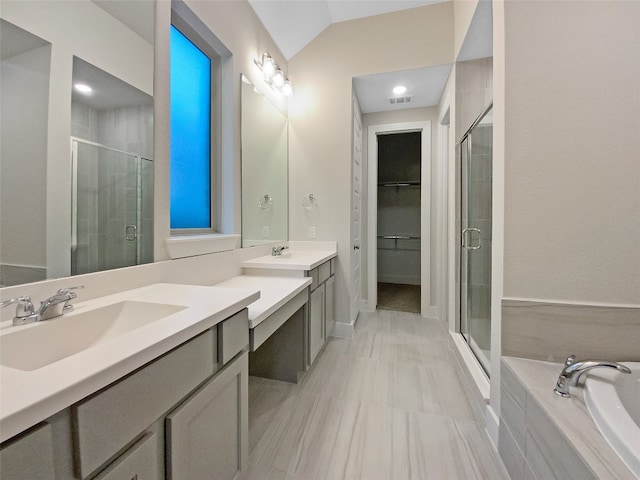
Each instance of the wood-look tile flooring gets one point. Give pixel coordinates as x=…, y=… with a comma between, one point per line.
x=388, y=405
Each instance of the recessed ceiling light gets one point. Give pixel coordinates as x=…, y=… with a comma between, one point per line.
x=399, y=90
x=83, y=88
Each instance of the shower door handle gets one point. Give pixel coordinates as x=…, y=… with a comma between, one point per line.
x=131, y=233
x=465, y=245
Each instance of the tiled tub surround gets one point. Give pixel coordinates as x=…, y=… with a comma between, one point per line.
x=544, y=436
x=552, y=331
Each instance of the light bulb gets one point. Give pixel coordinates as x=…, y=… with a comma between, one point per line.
x=399, y=90
x=278, y=78
x=268, y=67
x=287, y=88
x=83, y=88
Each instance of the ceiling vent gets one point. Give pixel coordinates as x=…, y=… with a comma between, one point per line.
x=401, y=100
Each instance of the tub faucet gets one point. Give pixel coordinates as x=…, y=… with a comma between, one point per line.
x=277, y=251
x=573, y=370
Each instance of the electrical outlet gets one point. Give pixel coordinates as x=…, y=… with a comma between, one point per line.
x=265, y=232
x=312, y=232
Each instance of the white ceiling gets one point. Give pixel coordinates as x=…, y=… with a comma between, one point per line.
x=294, y=23
x=424, y=85
x=108, y=91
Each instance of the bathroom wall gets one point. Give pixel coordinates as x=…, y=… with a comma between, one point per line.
x=23, y=168
x=320, y=113
x=239, y=29
x=474, y=92
x=572, y=170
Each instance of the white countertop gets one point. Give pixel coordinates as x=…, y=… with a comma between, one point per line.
x=29, y=397
x=274, y=293
x=295, y=259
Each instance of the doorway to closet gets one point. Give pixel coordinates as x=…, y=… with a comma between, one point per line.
x=398, y=232
x=398, y=263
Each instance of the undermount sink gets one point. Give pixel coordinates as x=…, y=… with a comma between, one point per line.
x=49, y=341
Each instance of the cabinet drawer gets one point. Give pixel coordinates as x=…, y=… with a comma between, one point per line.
x=112, y=418
x=140, y=462
x=333, y=266
x=233, y=336
x=324, y=272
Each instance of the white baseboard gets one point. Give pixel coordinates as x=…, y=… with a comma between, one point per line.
x=344, y=330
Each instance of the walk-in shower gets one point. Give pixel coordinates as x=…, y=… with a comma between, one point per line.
x=475, y=154
x=112, y=208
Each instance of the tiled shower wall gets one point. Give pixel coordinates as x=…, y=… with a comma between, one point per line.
x=111, y=196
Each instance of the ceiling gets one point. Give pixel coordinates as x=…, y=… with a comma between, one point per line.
x=294, y=23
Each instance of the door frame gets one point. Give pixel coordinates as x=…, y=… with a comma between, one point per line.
x=373, y=131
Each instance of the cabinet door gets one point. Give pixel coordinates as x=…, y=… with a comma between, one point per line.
x=316, y=322
x=140, y=462
x=30, y=456
x=207, y=435
x=329, y=312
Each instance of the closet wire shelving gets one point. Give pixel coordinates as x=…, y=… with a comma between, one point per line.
x=398, y=185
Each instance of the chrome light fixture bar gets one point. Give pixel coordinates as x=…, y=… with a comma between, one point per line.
x=273, y=75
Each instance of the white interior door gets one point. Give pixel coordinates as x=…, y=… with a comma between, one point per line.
x=356, y=211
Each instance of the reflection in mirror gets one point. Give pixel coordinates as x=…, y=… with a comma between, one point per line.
x=264, y=169
x=112, y=172
x=47, y=47
x=24, y=78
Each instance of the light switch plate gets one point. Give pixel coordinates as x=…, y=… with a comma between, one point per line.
x=312, y=232
x=265, y=232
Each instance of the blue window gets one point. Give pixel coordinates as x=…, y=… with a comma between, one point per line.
x=190, y=135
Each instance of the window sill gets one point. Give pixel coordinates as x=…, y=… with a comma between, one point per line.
x=192, y=245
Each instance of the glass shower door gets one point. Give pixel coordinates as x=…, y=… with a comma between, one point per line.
x=475, y=251
x=112, y=208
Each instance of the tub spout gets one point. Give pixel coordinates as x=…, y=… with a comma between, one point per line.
x=573, y=370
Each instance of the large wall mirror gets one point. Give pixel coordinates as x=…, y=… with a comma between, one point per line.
x=264, y=169
x=76, y=159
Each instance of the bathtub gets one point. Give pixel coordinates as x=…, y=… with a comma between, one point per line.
x=613, y=400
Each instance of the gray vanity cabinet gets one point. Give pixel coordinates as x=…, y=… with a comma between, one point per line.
x=140, y=462
x=316, y=322
x=329, y=305
x=181, y=416
x=207, y=434
x=321, y=307
x=29, y=456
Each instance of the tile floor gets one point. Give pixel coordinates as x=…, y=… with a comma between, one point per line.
x=388, y=405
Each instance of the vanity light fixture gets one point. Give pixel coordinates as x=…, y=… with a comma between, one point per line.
x=273, y=75
x=83, y=88
x=399, y=90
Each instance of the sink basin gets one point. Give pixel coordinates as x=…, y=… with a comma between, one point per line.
x=49, y=341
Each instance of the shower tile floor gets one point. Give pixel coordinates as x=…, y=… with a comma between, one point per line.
x=388, y=404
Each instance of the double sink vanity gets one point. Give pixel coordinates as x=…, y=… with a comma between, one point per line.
x=152, y=382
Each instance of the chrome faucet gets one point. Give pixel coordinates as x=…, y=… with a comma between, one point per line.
x=58, y=304
x=277, y=251
x=24, y=310
x=573, y=370
x=52, y=307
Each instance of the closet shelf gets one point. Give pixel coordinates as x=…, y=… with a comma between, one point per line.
x=398, y=237
x=410, y=183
